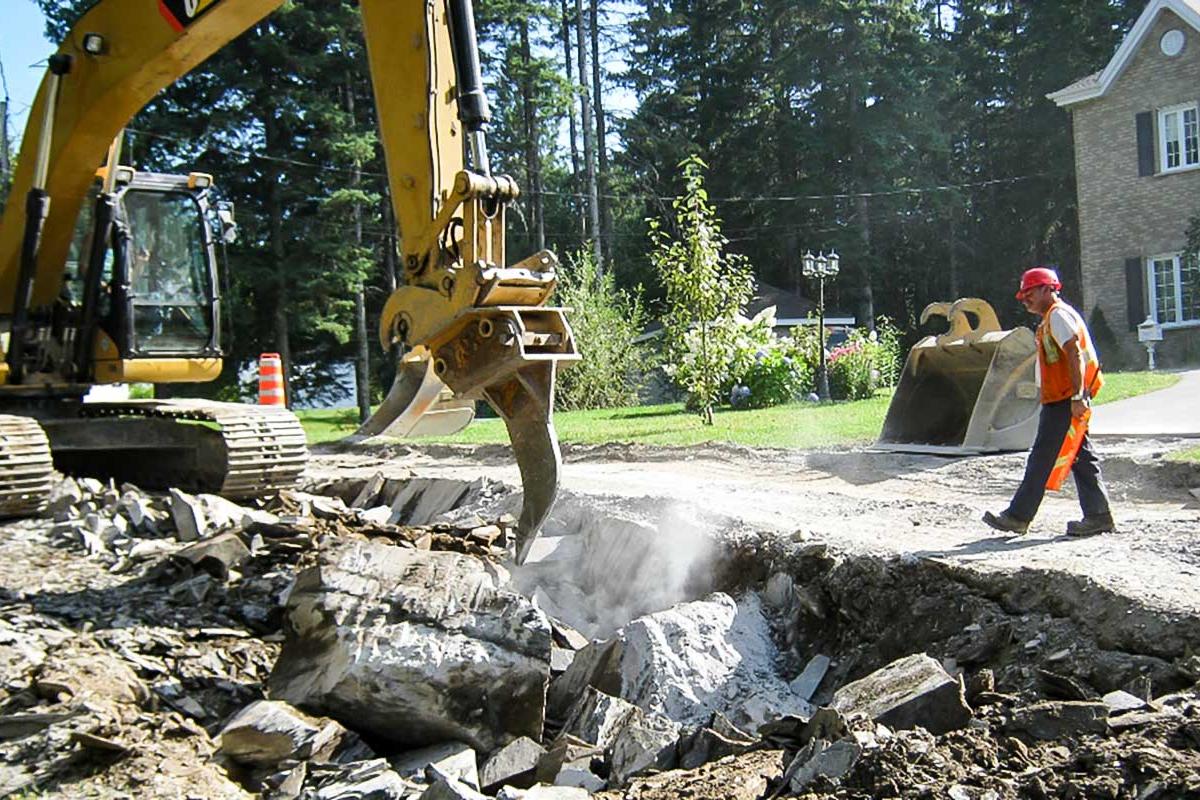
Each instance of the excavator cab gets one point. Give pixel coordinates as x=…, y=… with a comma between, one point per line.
x=157, y=312
x=969, y=390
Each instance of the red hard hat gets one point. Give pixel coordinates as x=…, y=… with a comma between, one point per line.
x=1038, y=276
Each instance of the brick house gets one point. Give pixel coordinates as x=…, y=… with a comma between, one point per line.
x=1137, y=166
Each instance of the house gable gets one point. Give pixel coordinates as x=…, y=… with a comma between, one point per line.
x=1097, y=84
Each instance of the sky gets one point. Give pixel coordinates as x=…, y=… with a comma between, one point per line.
x=22, y=45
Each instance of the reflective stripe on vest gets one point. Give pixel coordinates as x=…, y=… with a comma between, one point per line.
x=1056, y=372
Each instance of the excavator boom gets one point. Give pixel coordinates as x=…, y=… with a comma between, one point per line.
x=481, y=326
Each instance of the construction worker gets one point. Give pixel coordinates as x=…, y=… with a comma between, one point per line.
x=1068, y=372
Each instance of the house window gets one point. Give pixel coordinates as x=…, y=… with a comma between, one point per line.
x=1179, y=137
x=1174, y=283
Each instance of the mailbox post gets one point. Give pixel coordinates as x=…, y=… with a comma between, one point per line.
x=1150, y=334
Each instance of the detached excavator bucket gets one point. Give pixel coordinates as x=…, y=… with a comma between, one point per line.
x=418, y=404
x=969, y=390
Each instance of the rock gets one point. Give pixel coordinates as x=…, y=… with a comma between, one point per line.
x=567, y=753
x=188, y=515
x=379, y=515
x=267, y=732
x=686, y=663
x=598, y=718
x=820, y=759
x=543, y=792
x=566, y=636
x=1120, y=702
x=638, y=740
x=18, y=726
x=452, y=759
x=515, y=764
x=449, y=789
x=914, y=691
x=1055, y=720
x=151, y=548
x=708, y=745
x=285, y=784
x=385, y=785
x=646, y=741
x=216, y=555
x=806, y=683
x=369, y=492
x=560, y=659
x=376, y=633
x=420, y=500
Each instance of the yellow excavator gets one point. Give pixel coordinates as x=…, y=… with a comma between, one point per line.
x=118, y=283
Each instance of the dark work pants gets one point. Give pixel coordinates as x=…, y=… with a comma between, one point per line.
x=1053, y=424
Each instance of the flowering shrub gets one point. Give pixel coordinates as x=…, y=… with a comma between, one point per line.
x=779, y=376
x=766, y=370
x=866, y=362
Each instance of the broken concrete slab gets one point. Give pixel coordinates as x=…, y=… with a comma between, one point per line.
x=821, y=759
x=1055, y=720
x=445, y=788
x=216, y=555
x=375, y=633
x=687, y=662
x=385, y=785
x=453, y=759
x=805, y=684
x=645, y=742
x=543, y=792
x=515, y=764
x=367, y=496
x=707, y=744
x=598, y=718
x=267, y=732
x=913, y=691
x=567, y=753
x=1121, y=702
x=188, y=516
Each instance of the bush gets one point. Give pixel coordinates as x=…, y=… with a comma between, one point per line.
x=767, y=370
x=605, y=321
x=866, y=362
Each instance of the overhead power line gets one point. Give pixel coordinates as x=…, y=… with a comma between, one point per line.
x=908, y=190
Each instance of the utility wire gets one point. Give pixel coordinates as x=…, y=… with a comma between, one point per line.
x=915, y=190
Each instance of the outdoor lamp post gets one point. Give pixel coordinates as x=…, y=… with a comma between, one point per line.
x=821, y=267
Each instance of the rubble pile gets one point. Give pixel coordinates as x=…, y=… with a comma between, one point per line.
x=375, y=642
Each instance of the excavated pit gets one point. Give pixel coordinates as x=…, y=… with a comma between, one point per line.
x=704, y=640
x=601, y=563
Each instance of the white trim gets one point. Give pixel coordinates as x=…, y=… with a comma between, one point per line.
x=1152, y=291
x=1181, y=109
x=1187, y=10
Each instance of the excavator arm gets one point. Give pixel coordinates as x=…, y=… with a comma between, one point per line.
x=481, y=325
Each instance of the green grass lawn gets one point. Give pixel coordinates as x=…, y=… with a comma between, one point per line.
x=799, y=425
x=1121, y=385
x=1191, y=454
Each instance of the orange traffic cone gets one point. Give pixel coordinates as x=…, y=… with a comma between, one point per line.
x=270, y=380
x=1069, y=450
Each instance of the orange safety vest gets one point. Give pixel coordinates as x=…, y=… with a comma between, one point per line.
x=1057, y=385
x=1056, y=373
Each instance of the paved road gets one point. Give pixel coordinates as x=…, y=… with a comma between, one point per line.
x=1168, y=412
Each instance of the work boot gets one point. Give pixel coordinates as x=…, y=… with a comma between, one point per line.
x=1006, y=522
x=1091, y=525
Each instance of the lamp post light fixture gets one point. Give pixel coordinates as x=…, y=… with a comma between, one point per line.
x=821, y=267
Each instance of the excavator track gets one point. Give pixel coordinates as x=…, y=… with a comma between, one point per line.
x=26, y=468
x=230, y=449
